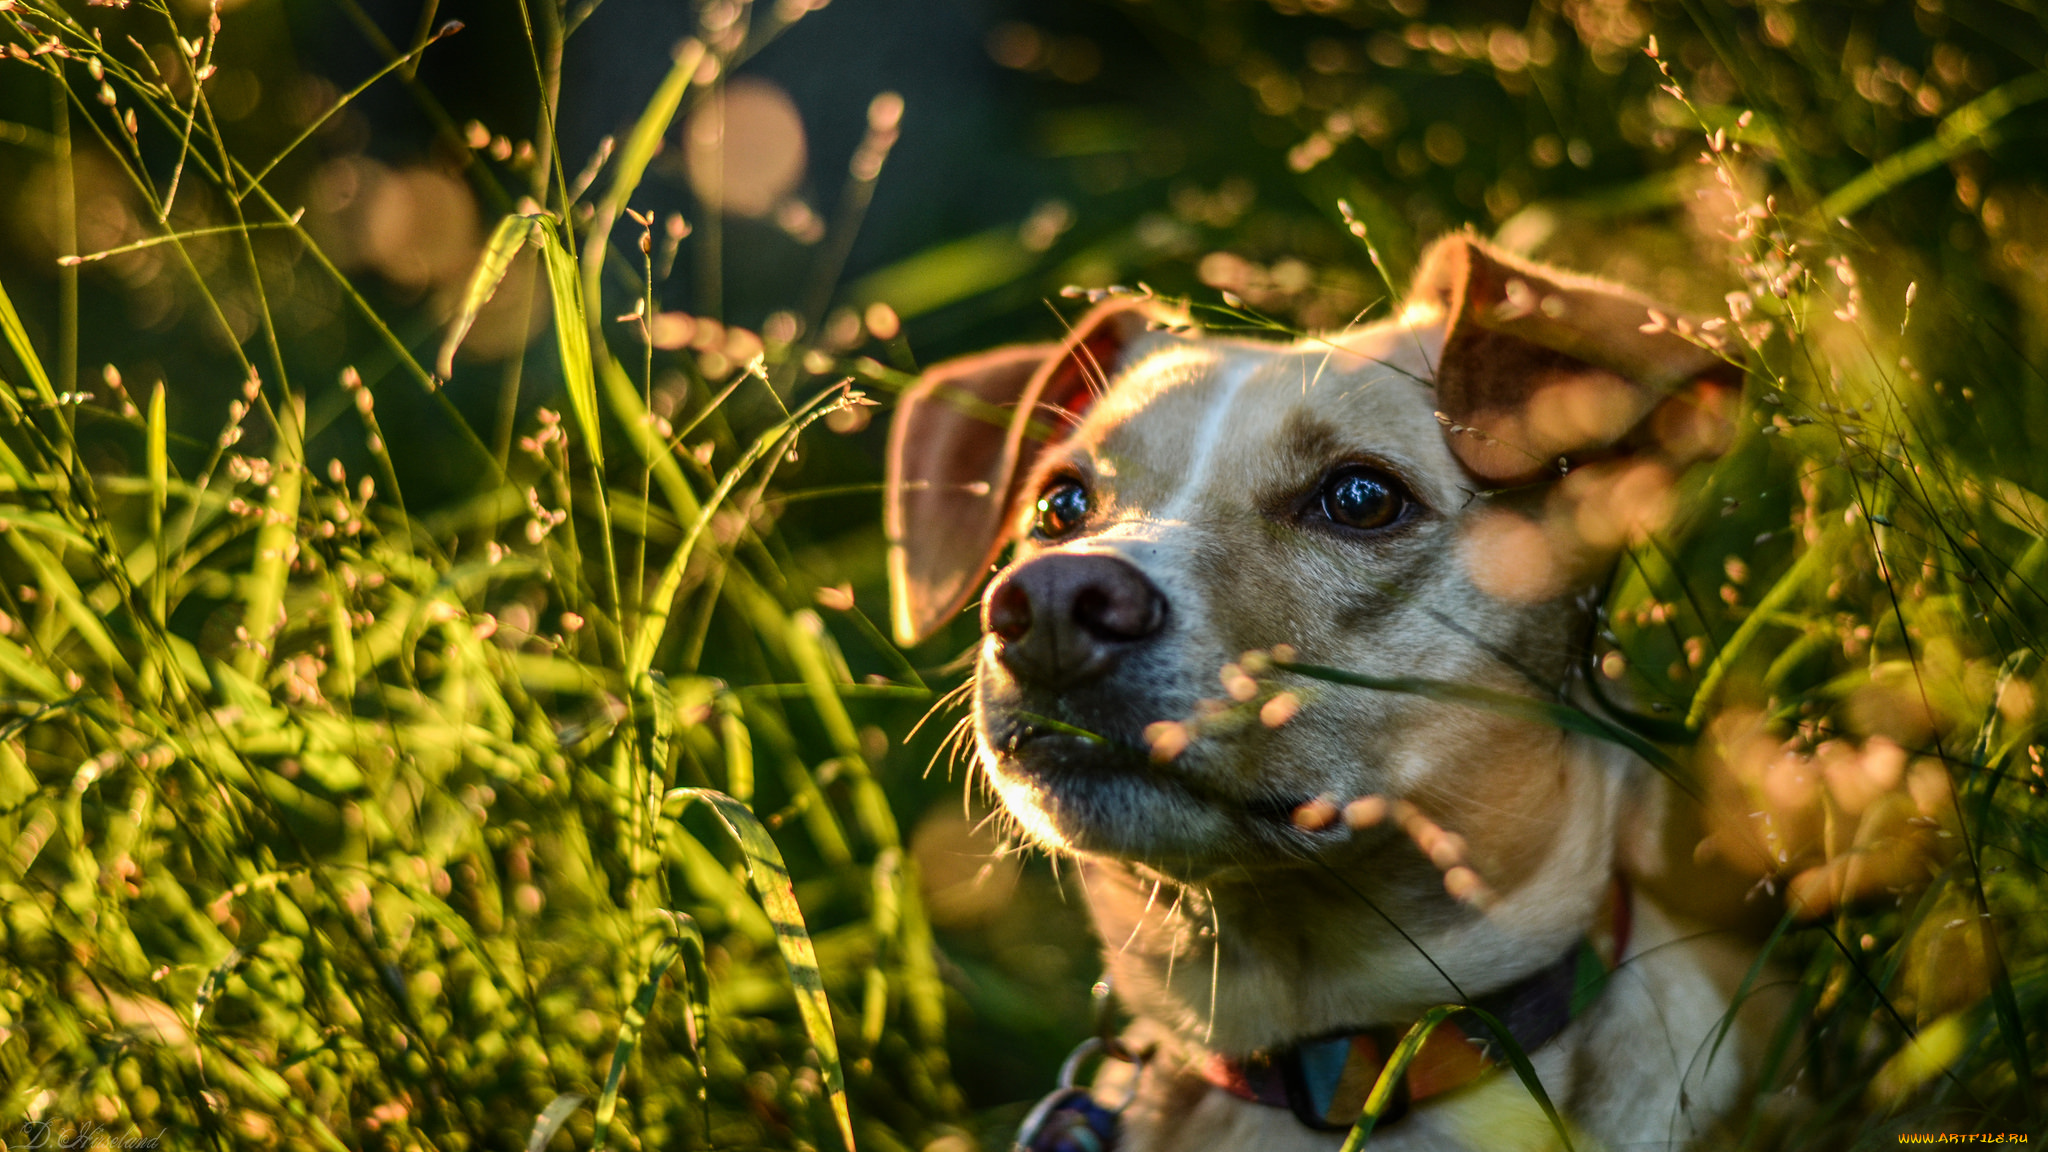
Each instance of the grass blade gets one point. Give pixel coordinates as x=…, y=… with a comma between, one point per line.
x=1524, y=1071
x=505, y=244
x=1964, y=129
x=641, y=145
x=1411, y=1045
x=659, y=605
x=1808, y=567
x=306, y=133
x=887, y=884
x=806, y=640
x=17, y=339
x=697, y=987
x=635, y=1019
x=552, y=1118
x=633, y=418
x=276, y=544
x=74, y=605
x=1749, y=978
x=148, y=242
x=645, y=139
x=159, y=496
x=772, y=886
x=572, y=336
x=739, y=748
x=1551, y=712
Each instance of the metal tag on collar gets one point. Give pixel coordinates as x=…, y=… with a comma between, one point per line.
x=1080, y=1121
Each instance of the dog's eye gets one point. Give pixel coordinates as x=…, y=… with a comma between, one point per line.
x=1360, y=497
x=1061, y=508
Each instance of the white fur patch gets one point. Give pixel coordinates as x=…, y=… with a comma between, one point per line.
x=1215, y=423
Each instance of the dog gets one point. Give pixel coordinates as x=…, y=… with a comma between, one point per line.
x=1287, y=871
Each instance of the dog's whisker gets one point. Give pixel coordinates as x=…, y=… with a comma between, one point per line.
x=994, y=817
x=945, y=701
x=958, y=744
x=1173, y=952
x=1215, y=965
x=1138, y=922
x=946, y=751
x=1173, y=917
x=1011, y=836
x=950, y=748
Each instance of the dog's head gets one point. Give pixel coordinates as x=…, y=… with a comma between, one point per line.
x=1429, y=497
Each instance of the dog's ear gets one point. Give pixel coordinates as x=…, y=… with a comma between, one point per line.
x=1540, y=365
x=963, y=440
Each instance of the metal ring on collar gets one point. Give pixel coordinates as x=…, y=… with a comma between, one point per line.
x=1111, y=1049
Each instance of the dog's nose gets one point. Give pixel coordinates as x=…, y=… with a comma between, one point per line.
x=1067, y=618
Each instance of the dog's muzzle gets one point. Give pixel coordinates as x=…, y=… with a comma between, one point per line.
x=1064, y=619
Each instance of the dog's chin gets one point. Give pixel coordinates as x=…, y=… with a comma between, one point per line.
x=1100, y=797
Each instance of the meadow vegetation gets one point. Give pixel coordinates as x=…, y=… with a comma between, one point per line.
x=439, y=700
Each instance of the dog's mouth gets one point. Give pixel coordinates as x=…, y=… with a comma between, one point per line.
x=1024, y=727
x=1106, y=792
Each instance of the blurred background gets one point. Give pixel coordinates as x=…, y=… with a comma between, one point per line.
x=1200, y=145
x=862, y=187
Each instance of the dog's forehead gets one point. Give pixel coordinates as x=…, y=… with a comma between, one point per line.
x=1199, y=414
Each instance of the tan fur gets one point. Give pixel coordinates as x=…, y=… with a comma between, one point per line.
x=1227, y=930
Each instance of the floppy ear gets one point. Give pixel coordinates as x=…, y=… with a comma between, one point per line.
x=963, y=440
x=1540, y=365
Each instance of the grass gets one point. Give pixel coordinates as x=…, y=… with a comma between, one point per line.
x=376, y=831
x=565, y=801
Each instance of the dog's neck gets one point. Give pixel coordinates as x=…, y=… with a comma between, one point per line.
x=1362, y=935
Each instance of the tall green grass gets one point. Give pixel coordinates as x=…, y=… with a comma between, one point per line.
x=334, y=823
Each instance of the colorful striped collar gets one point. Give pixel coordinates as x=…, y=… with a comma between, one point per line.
x=1325, y=1080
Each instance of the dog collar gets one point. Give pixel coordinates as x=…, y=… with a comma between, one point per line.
x=1325, y=1080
